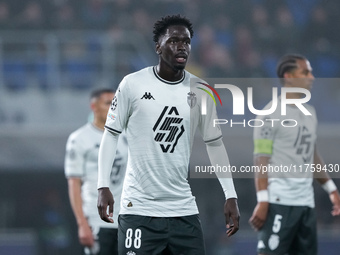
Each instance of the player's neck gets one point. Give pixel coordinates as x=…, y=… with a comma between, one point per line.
x=169, y=74
x=293, y=95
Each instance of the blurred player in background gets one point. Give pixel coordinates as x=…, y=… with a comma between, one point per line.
x=284, y=215
x=81, y=170
x=158, y=213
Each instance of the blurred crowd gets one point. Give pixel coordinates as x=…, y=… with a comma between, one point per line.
x=242, y=38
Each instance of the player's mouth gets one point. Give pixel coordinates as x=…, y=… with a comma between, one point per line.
x=181, y=58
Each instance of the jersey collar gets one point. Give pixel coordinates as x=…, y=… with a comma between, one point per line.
x=168, y=82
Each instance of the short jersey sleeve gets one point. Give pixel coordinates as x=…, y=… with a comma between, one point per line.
x=74, y=157
x=209, y=130
x=119, y=111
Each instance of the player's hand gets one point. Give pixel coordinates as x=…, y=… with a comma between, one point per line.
x=85, y=235
x=335, y=199
x=232, y=216
x=105, y=199
x=259, y=215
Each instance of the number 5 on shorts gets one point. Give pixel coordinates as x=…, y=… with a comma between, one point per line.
x=277, y=223
x=137, y=241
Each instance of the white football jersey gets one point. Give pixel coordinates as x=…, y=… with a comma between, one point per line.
x=81, y=161
x=159, y=117
x=289, y=149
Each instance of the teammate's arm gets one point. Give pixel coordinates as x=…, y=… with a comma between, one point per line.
x=218, y=156
x=106, y=155
x=261, y=183
x=327, y=183
x=84, y=231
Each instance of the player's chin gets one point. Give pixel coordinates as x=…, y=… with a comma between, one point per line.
x=180, y=66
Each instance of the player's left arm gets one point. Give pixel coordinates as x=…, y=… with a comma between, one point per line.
x=327, y=183
x=218, y=156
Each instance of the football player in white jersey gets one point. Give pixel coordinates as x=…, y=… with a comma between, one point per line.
x=81, y=170
x=158, y=213
x=284, y=215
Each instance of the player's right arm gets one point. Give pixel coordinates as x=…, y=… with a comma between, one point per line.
x=263, y=148
x=115, y=123
x=261, y=183
x=84, y=231
x=74, y=171
x=107, y=152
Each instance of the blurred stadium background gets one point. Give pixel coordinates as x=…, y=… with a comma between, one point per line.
x=54, y=52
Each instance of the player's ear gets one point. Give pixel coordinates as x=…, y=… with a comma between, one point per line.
x=93, y=105
x=158, y=50
x=287, y=75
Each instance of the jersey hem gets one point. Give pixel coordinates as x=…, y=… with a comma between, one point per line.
x=160, y=215
x=298, y=205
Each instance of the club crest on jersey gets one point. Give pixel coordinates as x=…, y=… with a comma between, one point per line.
x=191, y=99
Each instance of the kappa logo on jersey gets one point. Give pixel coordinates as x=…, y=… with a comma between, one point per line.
x=147, y=96
x=168, y=129
x=191, y=99
x=114, y=104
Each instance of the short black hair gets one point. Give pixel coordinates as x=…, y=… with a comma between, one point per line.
x=98, y=92
x=288, y=63
x=161, y=25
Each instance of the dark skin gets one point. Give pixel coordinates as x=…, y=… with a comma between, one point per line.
x=105, y=199
x=232, y=216
x=173, y=49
